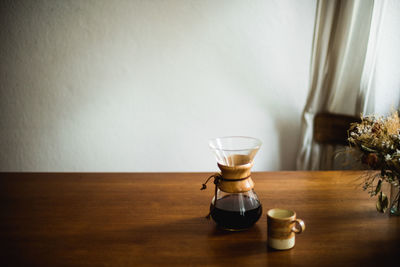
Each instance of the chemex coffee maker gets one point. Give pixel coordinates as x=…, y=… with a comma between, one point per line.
x=235, y=205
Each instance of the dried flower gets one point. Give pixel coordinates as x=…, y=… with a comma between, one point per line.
x=378, y=139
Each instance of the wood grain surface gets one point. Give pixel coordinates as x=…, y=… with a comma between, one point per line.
x=138, y=219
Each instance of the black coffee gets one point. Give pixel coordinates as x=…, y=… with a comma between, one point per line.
x=236, y=212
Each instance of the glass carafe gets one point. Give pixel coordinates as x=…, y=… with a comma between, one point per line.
x=235, y=205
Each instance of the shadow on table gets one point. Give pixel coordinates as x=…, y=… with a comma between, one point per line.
x=201, y=239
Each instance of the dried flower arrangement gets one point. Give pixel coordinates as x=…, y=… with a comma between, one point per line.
x=378, y=140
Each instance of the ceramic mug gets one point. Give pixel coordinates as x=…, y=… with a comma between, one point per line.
x=282, y=227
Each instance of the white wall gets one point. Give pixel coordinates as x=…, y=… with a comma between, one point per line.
x=385, y=83
x=142, y=85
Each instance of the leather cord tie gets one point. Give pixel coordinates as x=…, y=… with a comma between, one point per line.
x=217, y=178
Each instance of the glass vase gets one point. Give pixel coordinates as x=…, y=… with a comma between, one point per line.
x=394, y=200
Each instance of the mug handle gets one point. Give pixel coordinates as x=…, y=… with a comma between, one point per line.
x=299, y=226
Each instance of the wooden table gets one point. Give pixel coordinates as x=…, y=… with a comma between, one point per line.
x=136, y=219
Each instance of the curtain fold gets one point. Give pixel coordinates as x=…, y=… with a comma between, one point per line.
x=343, y=58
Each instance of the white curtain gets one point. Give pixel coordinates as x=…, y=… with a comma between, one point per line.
x=345, y=78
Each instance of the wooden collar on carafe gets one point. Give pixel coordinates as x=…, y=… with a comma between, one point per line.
x=236, y=179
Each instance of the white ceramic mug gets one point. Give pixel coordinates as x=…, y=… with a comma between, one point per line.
x=282, y=227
